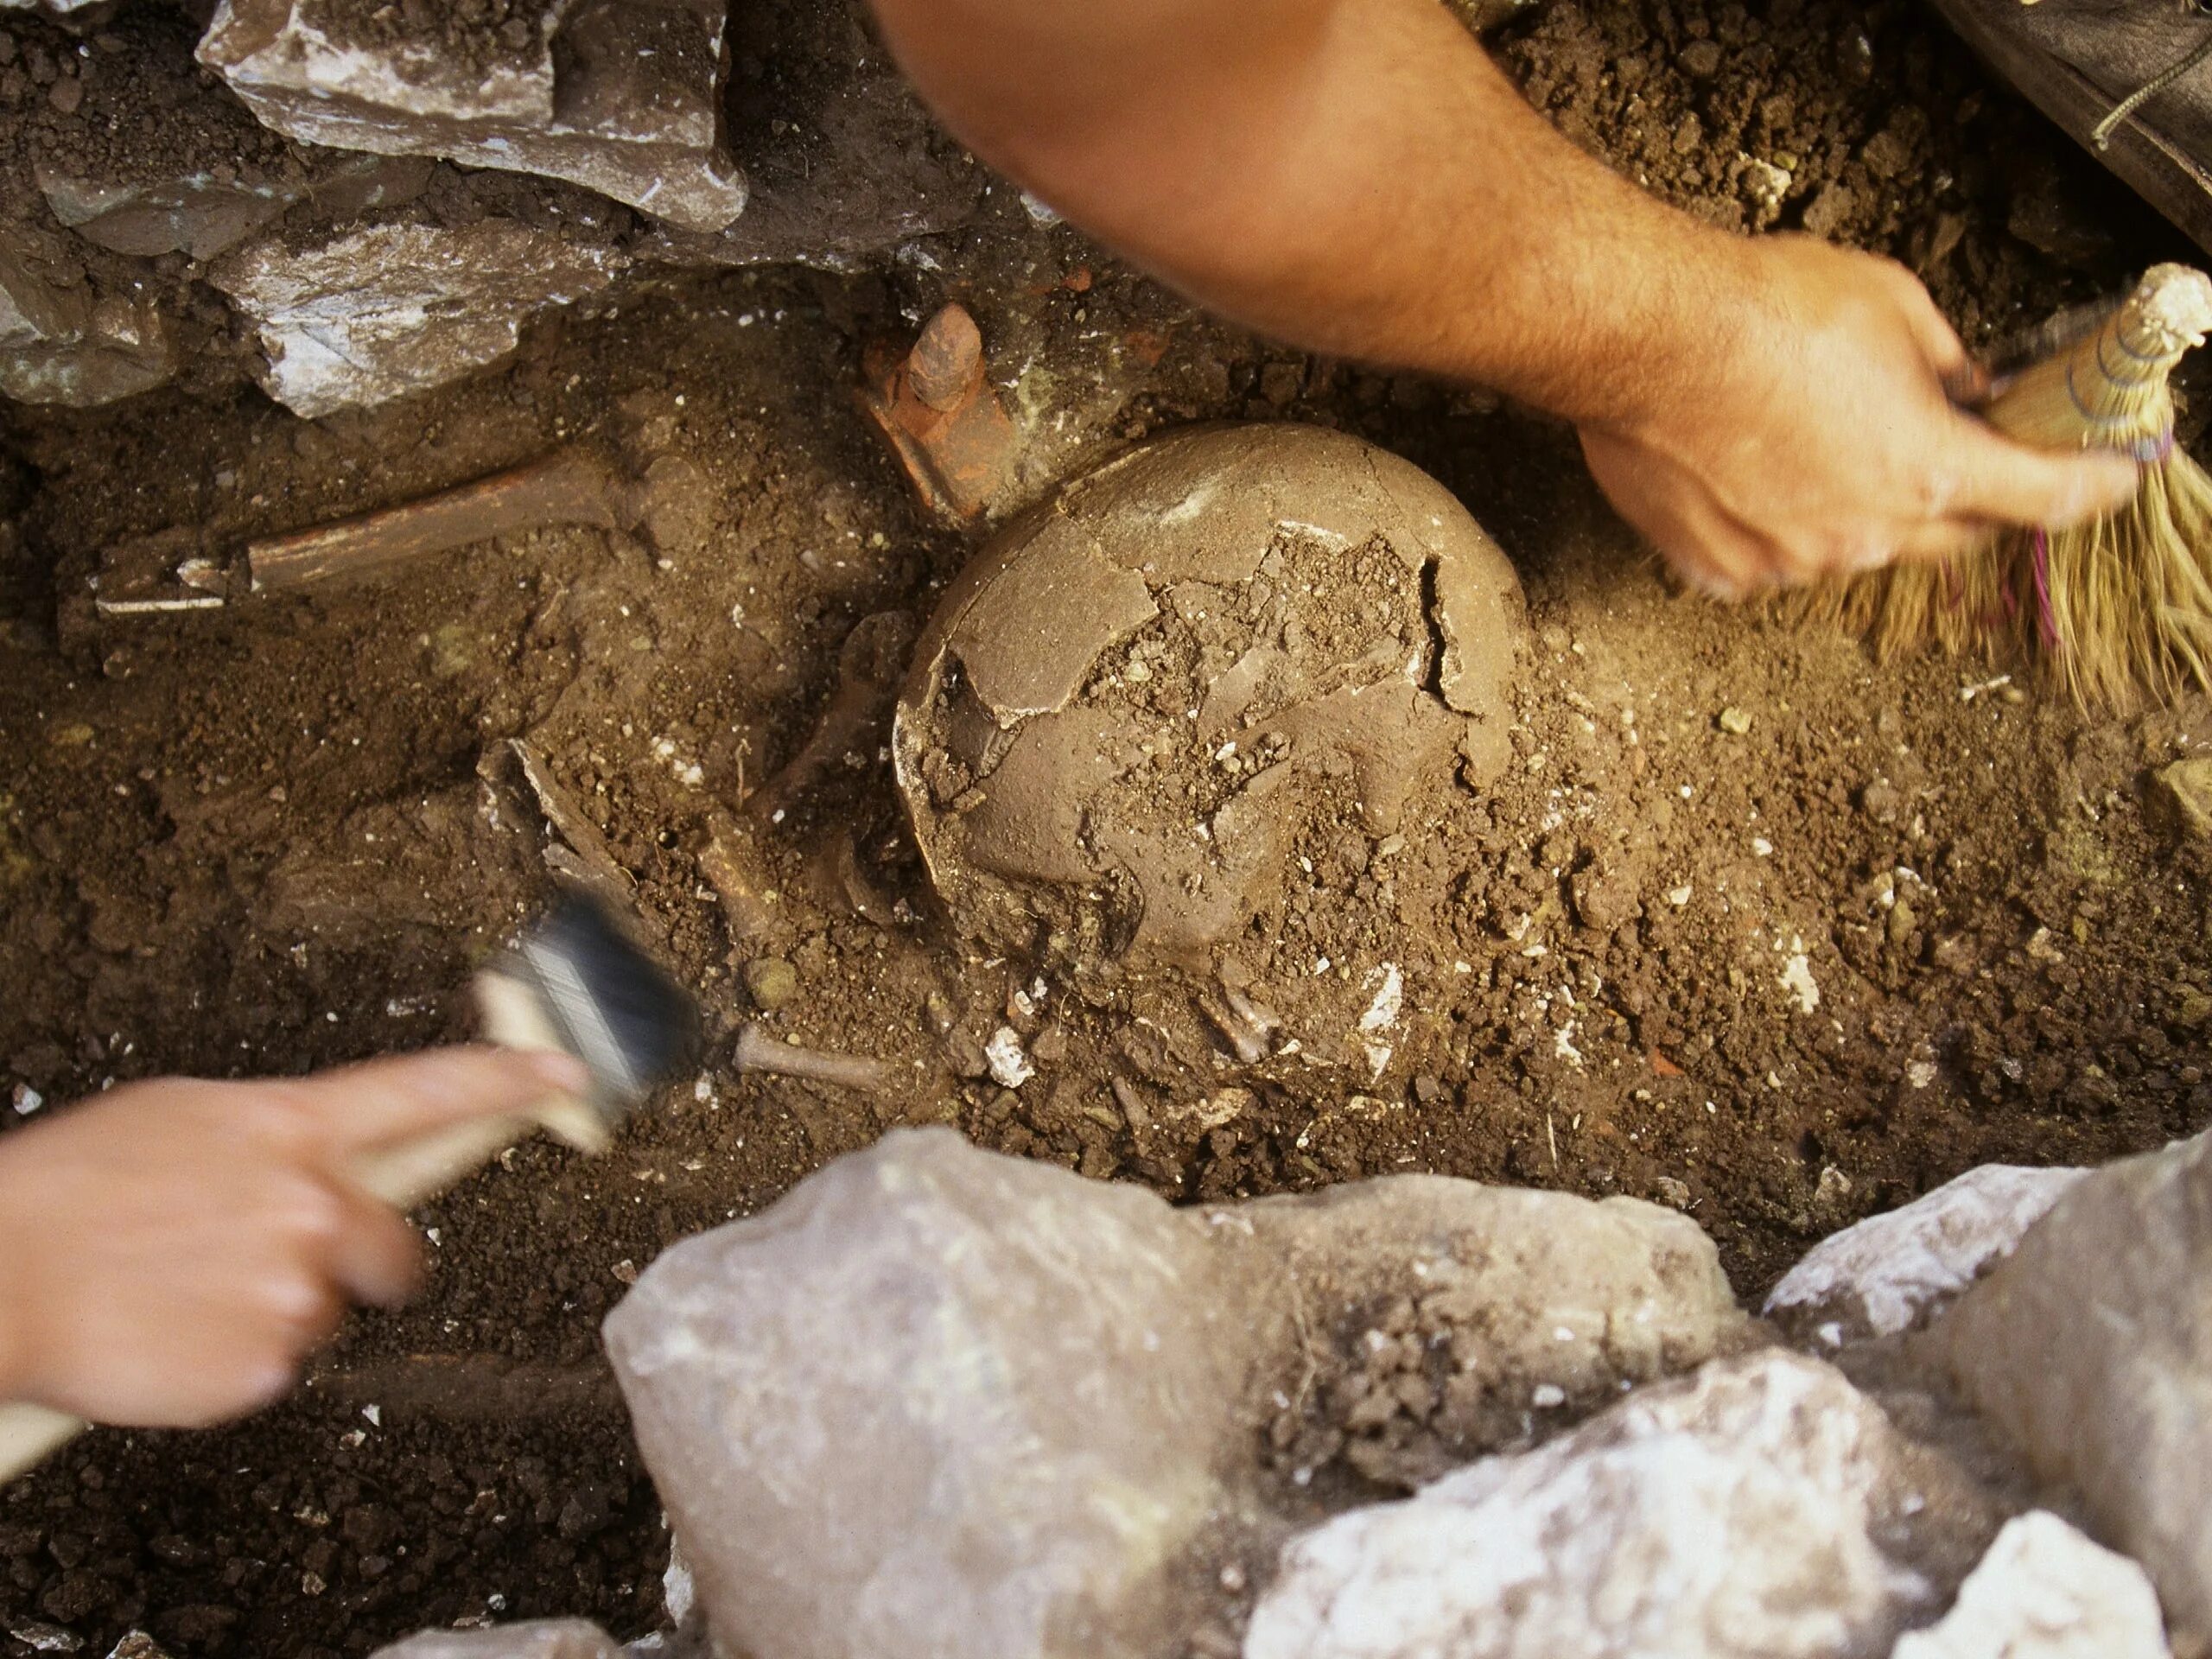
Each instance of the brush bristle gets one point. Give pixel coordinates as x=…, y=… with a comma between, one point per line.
x=2120, y=608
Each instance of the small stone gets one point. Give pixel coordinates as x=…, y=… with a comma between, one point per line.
x=136, y=1644
x=1881, y=801
x=771, y=982
x=1701, y=60
x=2181, y=795
x=1735, y=720
x=26, y=1099
x=2045, y=1591
x=1009, y=1066
x=1892, y=1272
x=42, y=1637
x=67, y=95
x=547, y=1639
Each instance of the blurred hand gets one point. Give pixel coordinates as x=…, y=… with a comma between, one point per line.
x=170, y=1251
x=1825, y=438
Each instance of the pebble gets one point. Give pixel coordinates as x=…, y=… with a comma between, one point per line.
x=771, y=982
x=1010, y=1067
x=26, y=1099
x=1734, y=721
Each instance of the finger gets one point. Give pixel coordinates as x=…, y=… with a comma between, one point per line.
x=1940, y=539
x=393, y=1099
x=1931, y=330
x=1992, y=478
x=375, y=1257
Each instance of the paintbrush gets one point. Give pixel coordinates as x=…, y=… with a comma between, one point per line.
x=2120, y=607
x=574, y=982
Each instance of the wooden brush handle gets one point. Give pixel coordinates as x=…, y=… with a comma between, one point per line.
x=2107, y=389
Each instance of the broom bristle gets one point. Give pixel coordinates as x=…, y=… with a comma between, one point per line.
x=2118, y=608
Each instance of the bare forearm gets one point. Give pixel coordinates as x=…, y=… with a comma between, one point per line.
x=1354, y=175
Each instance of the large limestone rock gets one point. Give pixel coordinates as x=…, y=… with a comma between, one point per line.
x=1762, y=1509
x=933, y=1404
x=384, y=310
x=2091, y=1348
x=622, y=97
x=61, y=342
x=2045, y=1591
x=1892, y=1272
x=939, y=1402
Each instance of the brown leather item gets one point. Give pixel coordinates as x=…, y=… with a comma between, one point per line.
x=2077, y=59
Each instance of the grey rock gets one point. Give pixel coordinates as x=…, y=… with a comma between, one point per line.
x=622, y=97
x=204, y=210
x=2045, y=1591
x=377, y=313
x=940, y=1402
x=2091, y=1349
x=1892, y=1272
x=1761, y=1510
x=61, y=342
x=934, y=1403
x=543, y=1639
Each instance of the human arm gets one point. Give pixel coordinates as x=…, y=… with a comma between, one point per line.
x=169, y=1251
x=1356, y=176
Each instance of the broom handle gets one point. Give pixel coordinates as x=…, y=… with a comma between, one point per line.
x=402, y=1176
x=2107, y=389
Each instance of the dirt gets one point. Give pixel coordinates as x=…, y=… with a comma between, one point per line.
x=1744, y=924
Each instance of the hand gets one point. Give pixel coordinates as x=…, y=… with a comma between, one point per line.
x=1824, y=438
x=170, y=1251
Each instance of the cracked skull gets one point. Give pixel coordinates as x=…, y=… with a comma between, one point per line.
x=1140, y=698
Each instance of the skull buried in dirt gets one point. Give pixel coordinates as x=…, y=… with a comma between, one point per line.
x=1140, y=699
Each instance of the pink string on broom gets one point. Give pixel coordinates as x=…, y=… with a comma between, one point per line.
x=2046, y=620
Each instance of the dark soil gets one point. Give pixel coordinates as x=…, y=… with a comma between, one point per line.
x=278, y=836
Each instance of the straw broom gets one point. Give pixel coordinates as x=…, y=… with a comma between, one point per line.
x=2118, y=607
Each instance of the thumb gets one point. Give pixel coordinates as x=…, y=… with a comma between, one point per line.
x=1997, y=479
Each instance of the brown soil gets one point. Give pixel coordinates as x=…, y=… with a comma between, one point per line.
x=277, y=837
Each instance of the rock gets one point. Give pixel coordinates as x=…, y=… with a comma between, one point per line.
x=1300, y=590
x=2182, y=798
x=941, y=1401
x=1892, y=1273
x=936, y=1402
x=1735, y=721
x=1761, y=1510
x=2091, y=1349
x=62, y=343
x=622, y=97
x=770, y=982
x=543, y=1639
x=1701, y=60
x=2045, y=1591
x=202, y=211
x=376, y=313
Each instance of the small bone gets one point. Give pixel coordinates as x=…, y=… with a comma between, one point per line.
x=567, y=487
x=869, y=663
x=595, y=863
x=756, y=1051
